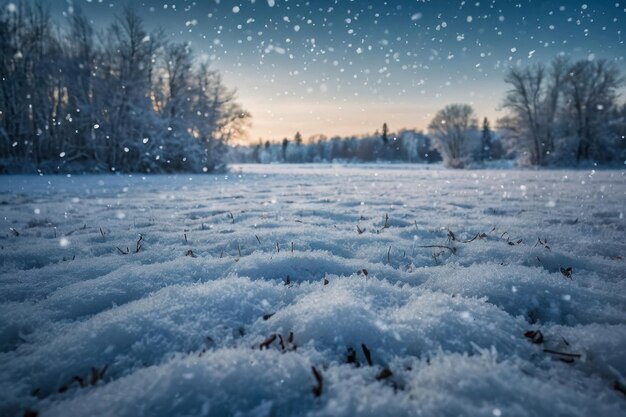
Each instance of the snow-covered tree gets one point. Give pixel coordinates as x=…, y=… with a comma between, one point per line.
x=561, y=113
x=591, y=93
x=125, y=99
x=453, y=130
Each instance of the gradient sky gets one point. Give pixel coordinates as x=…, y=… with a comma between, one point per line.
x=341, y=67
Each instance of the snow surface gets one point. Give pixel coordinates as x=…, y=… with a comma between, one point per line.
x=180, y=334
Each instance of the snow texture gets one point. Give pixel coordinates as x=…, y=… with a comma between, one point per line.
x=274, y=250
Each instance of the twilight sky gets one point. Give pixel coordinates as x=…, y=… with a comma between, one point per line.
x=341, y=67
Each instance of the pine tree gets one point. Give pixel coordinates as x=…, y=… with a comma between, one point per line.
x=485, y=152
x=298, y=138
x=385, y=134
x=285, y=144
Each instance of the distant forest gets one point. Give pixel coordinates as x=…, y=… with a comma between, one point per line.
x=402, y=146
x=73, y=100
x=562, y=114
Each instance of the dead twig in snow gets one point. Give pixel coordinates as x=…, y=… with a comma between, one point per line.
x=317, y=389
x=139, y=243
x=267, y=342
x=535, y=337
x=367, y=353
x=567, y=272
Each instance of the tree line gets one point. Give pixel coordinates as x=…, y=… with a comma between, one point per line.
x=403, y=146
x=562, y=113
x=125, y=99
x=406, y=145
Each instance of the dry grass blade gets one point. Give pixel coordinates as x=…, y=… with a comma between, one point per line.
x=267, y=342
x=287, y=345
x=386, y=224
x=535, y=337
x=565, y=354
x=317, y=389
x=122, y=252
x=97, y=374
x=139, y=242
x=478, y=236
x=351, y=357
x=567, y=272
x=384, y=374
x=543, y=243
x=618, y=386
x=367, y=353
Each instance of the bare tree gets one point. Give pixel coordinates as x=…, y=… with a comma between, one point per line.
x=591, y=92
x=561, y=113
x=526, y=100
x=451, y=130
x=72, y=98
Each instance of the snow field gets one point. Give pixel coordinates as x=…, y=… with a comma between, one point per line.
x=275, y=250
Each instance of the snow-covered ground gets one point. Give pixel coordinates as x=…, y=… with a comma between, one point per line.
x=275, y=250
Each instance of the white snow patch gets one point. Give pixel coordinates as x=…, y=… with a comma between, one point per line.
x=173, y=282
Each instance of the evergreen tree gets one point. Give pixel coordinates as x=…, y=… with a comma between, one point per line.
x=298, y=138
x=285, y=144
x=385, y=136
x=486, y=141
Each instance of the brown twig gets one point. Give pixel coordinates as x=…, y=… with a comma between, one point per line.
x=317, y=389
